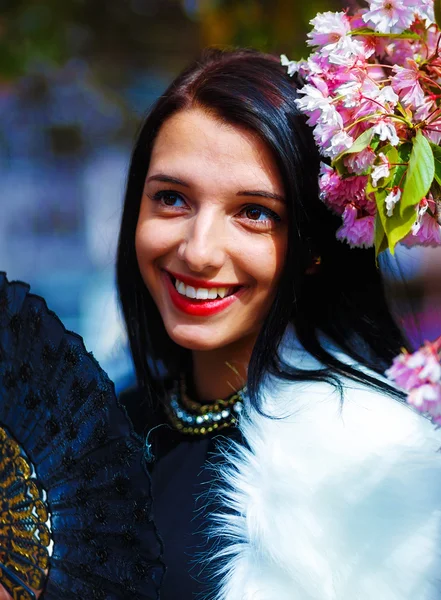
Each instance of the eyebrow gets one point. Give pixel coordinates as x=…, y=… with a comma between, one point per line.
x=262, y=194
x=162, y=177
x=167, y=179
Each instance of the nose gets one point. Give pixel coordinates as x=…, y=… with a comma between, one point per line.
x=203, y=243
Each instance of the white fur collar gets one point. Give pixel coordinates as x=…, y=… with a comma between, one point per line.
x=332, y=502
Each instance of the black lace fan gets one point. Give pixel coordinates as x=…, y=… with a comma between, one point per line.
x=74, y=495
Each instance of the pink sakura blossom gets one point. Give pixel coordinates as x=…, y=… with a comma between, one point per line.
x=419, y=374
x=326, y=133
x=316, y=95
x=433, y=131
x=339, y=142
x=358, y=91
x=390, y=16
x=424, y=110
x=347, y=51
x=421, y=368
x=390, y=86
x=358, y=232
x=424, y=10
x=376, y=72
x=387, y=97
x=394, y=51
x=427, y=399
x=330, y=33
x=351, y=91
x=356, y=20
x=358, y=162
x=336, y=192
x=318, y=66
x=367, y=99
x=406, y=84
x=369, y=41
x=425, y=363
x=432, y=36
x=426, y=231
x=328, y=29
x=431, y=369
x=316, y=102
x=405, y=376
x=380, y=170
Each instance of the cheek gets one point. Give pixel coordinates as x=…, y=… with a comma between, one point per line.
x=265, y=263
x=152, y=240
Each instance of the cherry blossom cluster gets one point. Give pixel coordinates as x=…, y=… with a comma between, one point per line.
x=419, y=374
x=372, y=93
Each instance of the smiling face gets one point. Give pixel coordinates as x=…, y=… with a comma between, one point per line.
x=212, y=231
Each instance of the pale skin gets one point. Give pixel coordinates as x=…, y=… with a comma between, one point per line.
x=213, y=209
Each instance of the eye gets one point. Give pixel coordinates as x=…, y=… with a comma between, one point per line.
x=260, y=216
x=169, y=198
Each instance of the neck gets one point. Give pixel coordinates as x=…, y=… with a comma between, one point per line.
x=218, y=373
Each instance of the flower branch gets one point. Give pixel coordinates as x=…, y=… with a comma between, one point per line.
x=385, y=57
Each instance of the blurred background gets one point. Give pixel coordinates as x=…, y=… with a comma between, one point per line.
x=76, y=78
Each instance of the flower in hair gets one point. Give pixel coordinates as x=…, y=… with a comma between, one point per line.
x=390, y=16
x=372, y=94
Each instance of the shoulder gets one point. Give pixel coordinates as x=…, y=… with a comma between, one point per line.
x=363, y=418
x=361, y=423
x=332, y=500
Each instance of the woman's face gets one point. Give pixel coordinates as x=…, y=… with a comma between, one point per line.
x=212, y=230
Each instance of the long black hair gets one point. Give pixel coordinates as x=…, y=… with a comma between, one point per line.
x=342, y=298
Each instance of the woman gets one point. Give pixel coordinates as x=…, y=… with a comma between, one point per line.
x=229, y=276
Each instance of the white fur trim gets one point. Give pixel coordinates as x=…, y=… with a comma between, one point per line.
x=333, y=502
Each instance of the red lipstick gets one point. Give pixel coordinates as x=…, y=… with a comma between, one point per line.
x=198, y=308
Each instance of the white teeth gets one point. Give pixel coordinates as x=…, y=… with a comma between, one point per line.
x=190, y=292
x=201, y=293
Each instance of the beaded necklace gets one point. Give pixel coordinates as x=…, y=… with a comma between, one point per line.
x=196, y=418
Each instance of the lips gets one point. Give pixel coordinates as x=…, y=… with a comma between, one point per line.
x=200, y=306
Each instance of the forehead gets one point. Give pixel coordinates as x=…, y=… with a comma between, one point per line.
x=195, y=141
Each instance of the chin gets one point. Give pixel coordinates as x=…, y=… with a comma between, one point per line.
x=196, y=337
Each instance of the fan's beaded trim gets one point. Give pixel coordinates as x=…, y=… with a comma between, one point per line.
x=194, y=418
x=25, y=536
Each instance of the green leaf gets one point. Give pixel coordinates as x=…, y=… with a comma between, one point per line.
x=393, y=158
x=380, y=241
x=360, y=144
x=404, y=151
x=405, y=35
x=395, y=227
x=420, y=173
x=400, y=226
x=437, y=10
x=370, y=188
x=437, y=156
x=375, y=142
x=340, y=167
